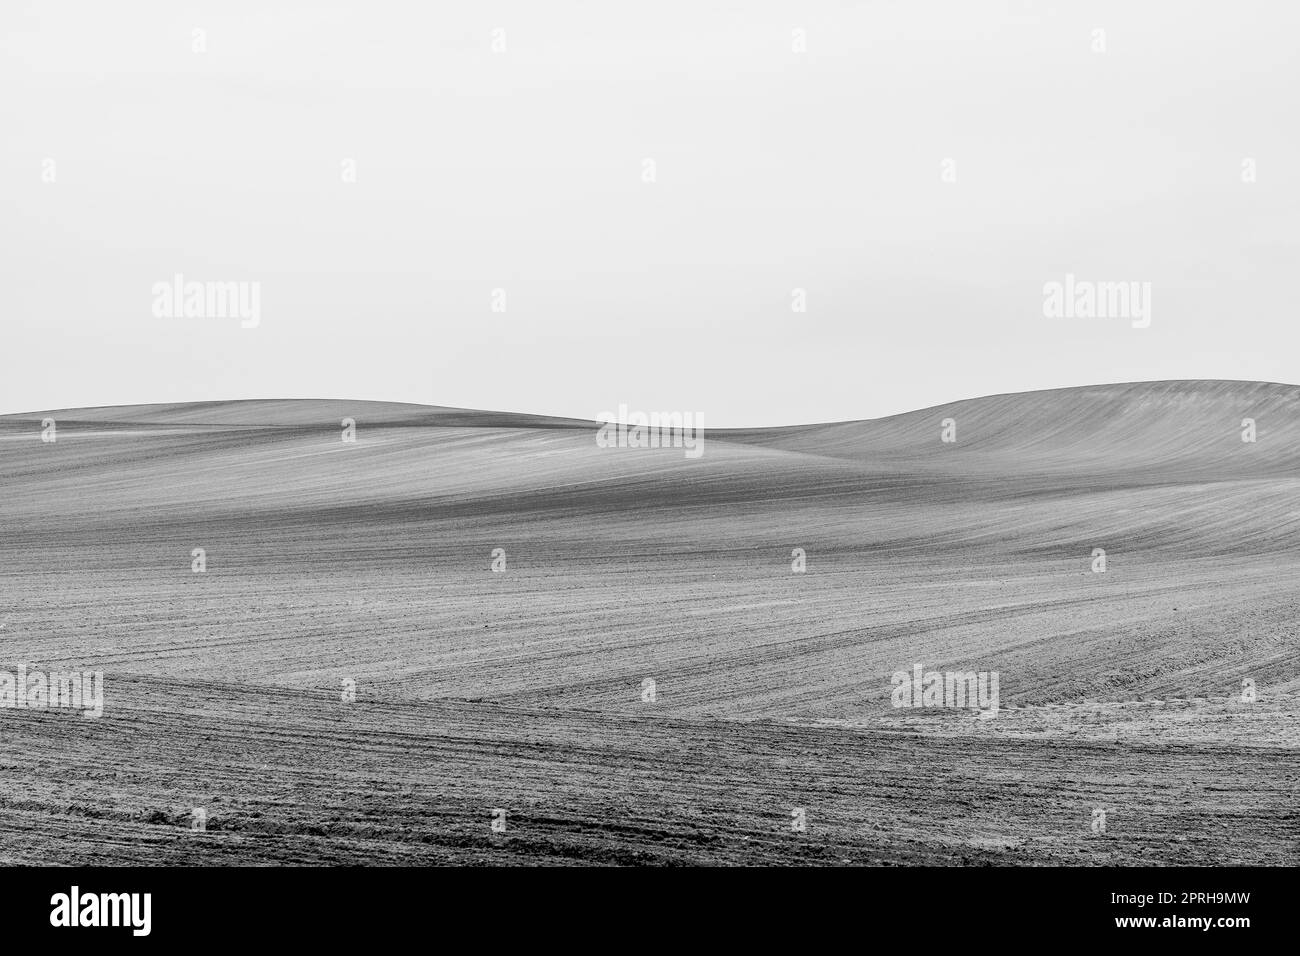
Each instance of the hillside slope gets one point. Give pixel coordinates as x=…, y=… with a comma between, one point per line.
x=371, y=562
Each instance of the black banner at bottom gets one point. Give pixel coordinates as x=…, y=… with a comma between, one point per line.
x=141, y=906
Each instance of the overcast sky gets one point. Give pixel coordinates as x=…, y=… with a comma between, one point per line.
x=129, y=156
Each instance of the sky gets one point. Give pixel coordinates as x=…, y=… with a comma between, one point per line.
x=760, y=212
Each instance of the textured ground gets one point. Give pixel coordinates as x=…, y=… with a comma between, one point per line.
x=522, y=689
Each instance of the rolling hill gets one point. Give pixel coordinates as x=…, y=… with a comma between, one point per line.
x=526, y=688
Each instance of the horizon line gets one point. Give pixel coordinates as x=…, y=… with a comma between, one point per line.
x=596, y=421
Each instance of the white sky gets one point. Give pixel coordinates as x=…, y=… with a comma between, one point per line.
x=522, y=170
